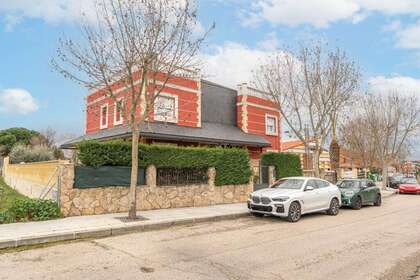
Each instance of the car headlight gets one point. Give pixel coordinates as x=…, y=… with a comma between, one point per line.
x=281, y=199
x=348, y=193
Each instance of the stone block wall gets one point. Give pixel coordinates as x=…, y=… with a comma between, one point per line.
x=74, y=202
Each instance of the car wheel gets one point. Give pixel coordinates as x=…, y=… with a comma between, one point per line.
x=378, y=200
x=334, y=207
x=257, y=214
x=357, y=204
x=294, y=212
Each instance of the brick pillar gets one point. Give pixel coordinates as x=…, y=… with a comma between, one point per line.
x=151, y=176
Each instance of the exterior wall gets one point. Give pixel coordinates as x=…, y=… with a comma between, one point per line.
x=187, y=91
x=74, y=202
x=252, y=109
x=32, y=179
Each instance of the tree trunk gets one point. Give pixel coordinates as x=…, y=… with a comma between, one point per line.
x=384, y=174
x=134, y=171
x=317, y=155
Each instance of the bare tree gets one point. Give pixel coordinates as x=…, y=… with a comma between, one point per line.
x=381, y=129
x=391, y=120
x=137, y=45
x=310, y=87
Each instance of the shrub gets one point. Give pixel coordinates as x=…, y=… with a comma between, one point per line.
x=286, y=164
x=28, y=209
x=22, y=153
x=232, y=164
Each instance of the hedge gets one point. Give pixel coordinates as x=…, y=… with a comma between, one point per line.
x=286, y=164
x=231, y=164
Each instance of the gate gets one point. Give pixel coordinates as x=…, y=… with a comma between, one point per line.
x=261, y=177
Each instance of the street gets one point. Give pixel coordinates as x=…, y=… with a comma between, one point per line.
x=372, y=243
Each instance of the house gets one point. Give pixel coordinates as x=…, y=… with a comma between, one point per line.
x=350, y=166
x=191, y=111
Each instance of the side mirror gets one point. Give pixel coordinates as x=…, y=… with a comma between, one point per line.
x=309, y=188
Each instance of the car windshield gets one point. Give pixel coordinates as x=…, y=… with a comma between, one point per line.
x=293, y=184
x=409, y=181
x=347, y=184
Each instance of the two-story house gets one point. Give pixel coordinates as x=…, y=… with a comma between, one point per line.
x=191, y=111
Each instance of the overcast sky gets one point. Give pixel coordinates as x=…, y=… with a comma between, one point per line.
x=383, y=36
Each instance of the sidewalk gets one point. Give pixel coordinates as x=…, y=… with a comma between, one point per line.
x=20, y=234
x=71, y=228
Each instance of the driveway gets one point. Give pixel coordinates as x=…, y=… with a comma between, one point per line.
x=372, y=243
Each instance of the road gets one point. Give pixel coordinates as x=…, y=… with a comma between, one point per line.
x=372, y=243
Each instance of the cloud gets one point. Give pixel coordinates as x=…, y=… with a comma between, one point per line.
x=409, y=37
x=18, y=101
x=51, y=11
x=401, y=84
x=321, y=13
x=232, y=63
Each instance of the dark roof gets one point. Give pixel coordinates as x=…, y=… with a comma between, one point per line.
x=218, y=103
x=209, y=133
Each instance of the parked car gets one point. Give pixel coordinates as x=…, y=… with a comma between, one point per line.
x=292, y=197
x=409, y=185
x=394, y=181
x=358, y=192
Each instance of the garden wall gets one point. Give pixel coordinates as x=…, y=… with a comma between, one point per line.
x=32, y=179
x=101, y=200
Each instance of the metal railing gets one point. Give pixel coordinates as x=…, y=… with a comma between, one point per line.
x=181, y=176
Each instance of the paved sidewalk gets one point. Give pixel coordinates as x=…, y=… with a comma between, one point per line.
x=20, y=234
x=71, y=228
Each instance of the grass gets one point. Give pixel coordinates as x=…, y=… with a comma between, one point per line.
x=7, y=196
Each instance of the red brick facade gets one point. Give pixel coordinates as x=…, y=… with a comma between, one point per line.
x=254, y=113
x=185, y=91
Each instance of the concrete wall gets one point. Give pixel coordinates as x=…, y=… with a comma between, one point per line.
x=31, y=179
x=74, y=202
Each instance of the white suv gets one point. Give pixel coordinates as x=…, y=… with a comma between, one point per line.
x=294, y=196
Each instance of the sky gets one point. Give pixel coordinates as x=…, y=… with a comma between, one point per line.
x=382, y=36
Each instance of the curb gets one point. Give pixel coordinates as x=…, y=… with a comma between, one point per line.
x=112, y=231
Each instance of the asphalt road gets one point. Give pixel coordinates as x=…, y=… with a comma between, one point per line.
x=372, y=243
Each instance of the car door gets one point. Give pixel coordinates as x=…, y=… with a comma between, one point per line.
x=366, y=191
x=310, y=197
x=324, y=194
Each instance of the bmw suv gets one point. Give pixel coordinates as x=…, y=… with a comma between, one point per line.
x=292, y=197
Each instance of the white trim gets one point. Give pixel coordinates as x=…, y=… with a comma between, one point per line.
x=115, y=112
x=247, y=103
x=276, y=125
x=159, y=83
x=102, y=126
x=161, y=118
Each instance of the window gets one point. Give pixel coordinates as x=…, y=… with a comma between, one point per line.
x=270, y=125
x=118, y=112
x=322, y=184
x=104, y=116
x=166, y=108
x=312, y=183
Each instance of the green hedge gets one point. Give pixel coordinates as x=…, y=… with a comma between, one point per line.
x=286, y=164
x=232, y=164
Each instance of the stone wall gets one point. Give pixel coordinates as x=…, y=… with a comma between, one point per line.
x=74, y=202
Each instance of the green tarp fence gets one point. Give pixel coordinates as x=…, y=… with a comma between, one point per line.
x=105, y=176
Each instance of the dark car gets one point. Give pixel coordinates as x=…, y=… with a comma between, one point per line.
x=395, y=181
x=358, y=192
